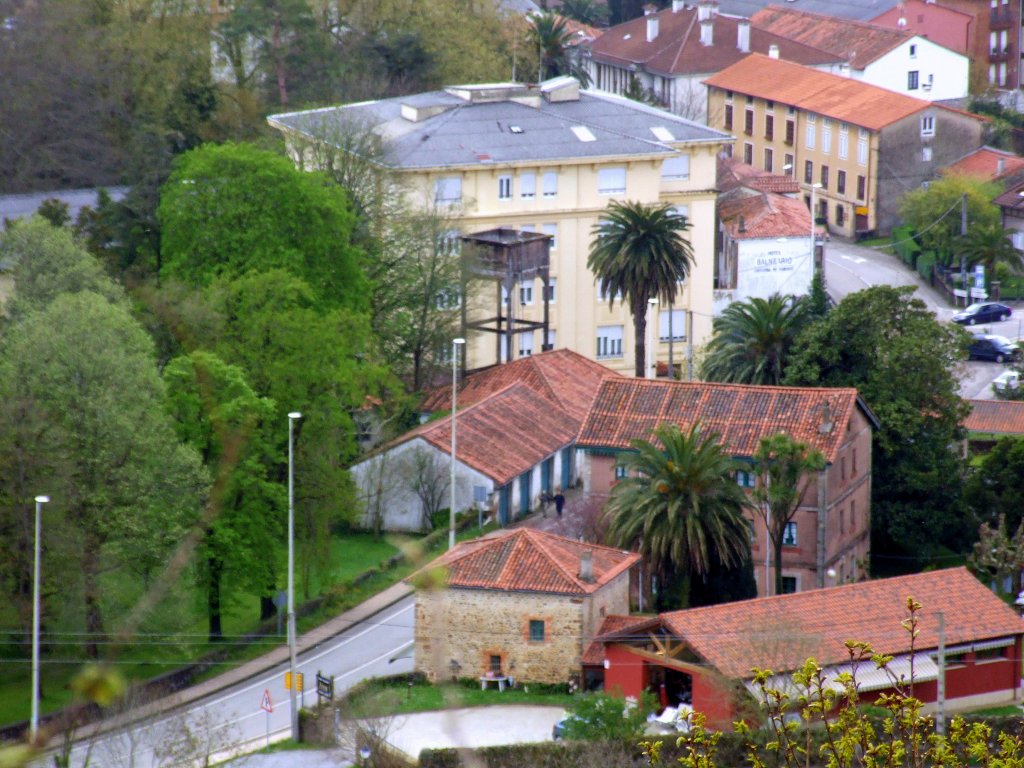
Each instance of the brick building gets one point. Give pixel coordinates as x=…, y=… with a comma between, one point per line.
x=831, y=528
x=519, y=604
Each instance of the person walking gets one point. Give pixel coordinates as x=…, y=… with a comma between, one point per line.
x=559, y=501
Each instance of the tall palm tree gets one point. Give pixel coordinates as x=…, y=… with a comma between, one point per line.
x=680, y=505
x=990, y=244
x=551, y=38
x=752, y=340
x=640, y=252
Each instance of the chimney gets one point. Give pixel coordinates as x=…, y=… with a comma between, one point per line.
x=773, y=51
x=706, y=33
x=705, y=10
x=587, y=567
x=650, y=9
x=743, y=35
x=826, y=419
x=652, y=27
x=743, y=225
x=678, y=5
x=1001, y=165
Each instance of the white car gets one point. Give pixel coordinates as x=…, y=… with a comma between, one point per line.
x=1006, y=382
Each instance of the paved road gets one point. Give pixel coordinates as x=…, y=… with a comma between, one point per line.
x=851, y=268
x=229, y=721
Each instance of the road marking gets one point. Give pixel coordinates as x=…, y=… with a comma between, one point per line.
x=854, y=259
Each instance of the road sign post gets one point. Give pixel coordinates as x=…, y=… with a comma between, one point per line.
x=267, y=706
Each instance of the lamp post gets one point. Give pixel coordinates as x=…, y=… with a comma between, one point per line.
x=814, y=250
x=651, y=362
x=292, y=417
x=34, y=719
x=456, y=343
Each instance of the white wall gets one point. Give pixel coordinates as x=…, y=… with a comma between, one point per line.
x=766, y=266
x=948, y=71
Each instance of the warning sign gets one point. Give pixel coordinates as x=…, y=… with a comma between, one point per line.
x=265, y=703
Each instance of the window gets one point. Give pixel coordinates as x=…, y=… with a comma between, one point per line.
x=551, y=339
x=526, y=294
x=748, y=122
x=611, y=181
x=912, y=80
x=826, y=136
x=841, y=182
x=840, y=215
x=855, y=461
x=609, y=341
x=768, y=104
x=495, y=664
x=853, y=514
x=527, y=185
x=1002, y=74
x=913, y=51
x=550, y=292
x=862, y=187
x=769, y=157
x=769, y=127
x=447, y=298
x=842, y=520
x=824, y=177
x=993, y=40
x=552, y=230
x=677, y=167
x=992, y=74
x=681, y=210
x=677, y=319
x=603, y=295
x=728, y=117
x=745, y=479
x=525, y=344
x=480, y=494
x=748, y=153
x=787, y=160
x=621, y=473
x=926, y=154
x=789, y=585
x=789, y=534
x=448, y=190
x=844, y=144
x=809, y=171
x=810, y=131
x=842, y=468
x=790, y=131
x=928, y=125
x=550, y=184
x=504, y=187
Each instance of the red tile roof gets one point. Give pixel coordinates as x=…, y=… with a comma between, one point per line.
x=841, y=98
x=502, y=435
x=782, y=632
x=528, y=560
x=1012, y=198
x=677, y=50
x=561, y=375
x=613, y=628
x=581, y=33
x=984, y=164
x=764, y=215
x=732, y=173
x=629, y=409
x=996, y=417
x=858, y=42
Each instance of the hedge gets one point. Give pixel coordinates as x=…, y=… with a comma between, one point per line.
x=926, y=265
x=905, y=246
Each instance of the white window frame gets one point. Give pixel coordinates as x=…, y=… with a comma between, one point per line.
x=676, y=167
x=790, y=536
x=928, y=125
x=826, y=139
x=552, y=290
x=525, y=343
x=448, y=190
x=526, y=294
x=603, y=295
x=745, y=479
x=505, y=187
x=552, y=337
x=549, y=184
x=678, y=324
x=611, y=181
x=862, y=151
x=809, y=132
x=844, y=145
x=527, y=186
x=609, y=341
x=926, y=154
x=552, y=230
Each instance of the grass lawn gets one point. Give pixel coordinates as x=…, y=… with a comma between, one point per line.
x=380, y=698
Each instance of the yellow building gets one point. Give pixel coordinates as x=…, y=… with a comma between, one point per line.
x=550, y=159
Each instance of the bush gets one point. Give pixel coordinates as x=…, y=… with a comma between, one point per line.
x=926, y=265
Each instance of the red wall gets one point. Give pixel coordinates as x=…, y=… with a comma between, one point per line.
x=626, y=672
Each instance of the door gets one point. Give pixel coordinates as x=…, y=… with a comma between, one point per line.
x=547, y=469
x=566, y=467
x=524, y=492
x=504, y=498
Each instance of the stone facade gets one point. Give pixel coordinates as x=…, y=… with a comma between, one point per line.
x=486, y=630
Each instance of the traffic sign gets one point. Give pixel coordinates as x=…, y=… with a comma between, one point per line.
x=979, y=275
x=288, y=681
x=265, y=703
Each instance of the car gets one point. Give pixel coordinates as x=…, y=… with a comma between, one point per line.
x=983, y=312
x=1006, y=383
x=987, y=346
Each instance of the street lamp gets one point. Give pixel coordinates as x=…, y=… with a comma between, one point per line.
x=34, y=720
x=292, y=417
x=652, y=304
x=456, y=343
x=814, y=250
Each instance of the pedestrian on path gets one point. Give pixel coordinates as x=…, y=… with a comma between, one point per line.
x=559, y=501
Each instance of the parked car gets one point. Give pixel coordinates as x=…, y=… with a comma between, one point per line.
x=986, y=312
x=1006, y=383
x=986, y=346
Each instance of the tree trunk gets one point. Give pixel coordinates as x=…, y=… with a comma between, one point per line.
x=640, y=343
x=90, y=576
x=777, y=546
x=282, y=86
x=213, y=603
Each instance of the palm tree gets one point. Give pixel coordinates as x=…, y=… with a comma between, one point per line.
x=549, y=36
x=639, y=253
x=680, y=505
x=990, y=244
x=752, y=340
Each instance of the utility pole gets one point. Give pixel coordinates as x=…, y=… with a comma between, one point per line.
x=963, y=257
x=689, y=345
x=940, y=686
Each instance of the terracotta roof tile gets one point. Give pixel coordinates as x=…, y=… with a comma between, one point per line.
x=504, y=434
x=629, y=409
x=782, y=632
x=984, y=164
x=1013, y=197
x=528, y=560
x=561, y=375
x=677, y=50
x=615, y=627
x=858, y=42
x=765, y=215
x=732, y=173
x=841, y=98
x=996, y=417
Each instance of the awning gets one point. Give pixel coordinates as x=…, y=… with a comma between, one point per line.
x=867, y=676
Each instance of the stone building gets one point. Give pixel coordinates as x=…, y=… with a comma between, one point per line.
x=519, y=604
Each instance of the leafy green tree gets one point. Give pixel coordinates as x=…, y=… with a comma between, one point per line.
x=604, y=716
x=680, y=505
x=640, y=252
x=753, y=339
x=990, y=244
x=998, y=555
x=995, y=484
x=588, y=12
x=817, y=301
x=885, y=342
x=217, y=413
x=934, y=213
x=125, y=489
x=549, y=36
x=785, y=469
x=233, y=209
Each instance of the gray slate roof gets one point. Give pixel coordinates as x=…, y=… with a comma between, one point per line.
x=859, y=10
x=468, y=133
